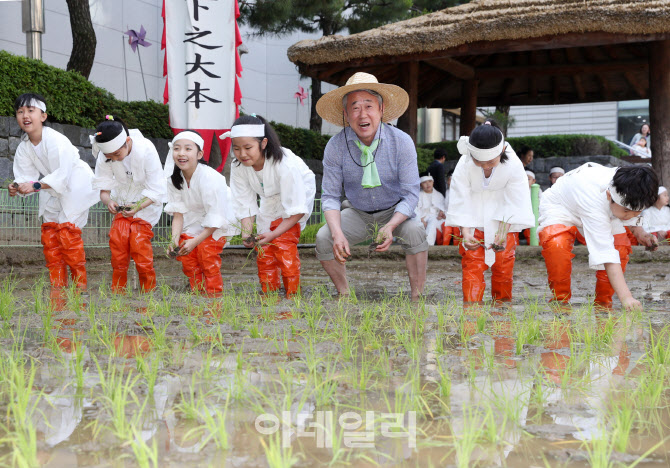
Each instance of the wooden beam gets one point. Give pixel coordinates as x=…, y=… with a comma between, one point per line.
x=408, y=121
x=659, y=108
x=547, y=42
x=556, y=69
x=635, y=83
x=506, y=90
x=532, y=80
x=469, y=106
x=453, y=67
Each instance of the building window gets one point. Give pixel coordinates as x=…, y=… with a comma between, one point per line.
x=631, y=116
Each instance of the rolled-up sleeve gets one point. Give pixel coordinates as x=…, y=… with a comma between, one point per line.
x=331, y=186
x=155, y=185
x=175, y=202
x=408, y=174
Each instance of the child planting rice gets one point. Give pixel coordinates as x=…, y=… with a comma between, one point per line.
x=430, y=209
x=490, y=201
x=129, y=175
x=199, y=201
x=286, y=188
x=599, y=201
x=47, y=163
x=657, y=217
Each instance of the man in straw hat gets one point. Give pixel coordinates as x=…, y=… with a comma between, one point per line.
x=376, y=164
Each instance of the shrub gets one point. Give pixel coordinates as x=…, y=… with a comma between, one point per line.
x=304, y=143
x=548, y=146
x=72, y=99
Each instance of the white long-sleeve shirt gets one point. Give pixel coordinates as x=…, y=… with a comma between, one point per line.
x=477, y=202
x=138, y=176
x=655, y=220
x=56, y=162
x=579, y=198
x=286, y=188
x=430, y=205
x=205, y=203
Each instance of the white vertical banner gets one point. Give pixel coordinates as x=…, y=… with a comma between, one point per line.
x=200, y=39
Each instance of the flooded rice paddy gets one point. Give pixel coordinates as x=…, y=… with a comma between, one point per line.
x=171, y=380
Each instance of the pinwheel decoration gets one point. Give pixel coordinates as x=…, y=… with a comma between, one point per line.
x=301, y=95
x=137, y=39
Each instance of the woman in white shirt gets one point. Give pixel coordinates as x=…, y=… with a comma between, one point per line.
x=129, y=175
x=286, y=188
x=200, y=204
x=490, y=201
x=47, y=163
x=656, y=218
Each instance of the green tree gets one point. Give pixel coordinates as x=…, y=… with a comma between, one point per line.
x=279, y=17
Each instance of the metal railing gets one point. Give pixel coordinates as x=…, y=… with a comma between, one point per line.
x=20, y=225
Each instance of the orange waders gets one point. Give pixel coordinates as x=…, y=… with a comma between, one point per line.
x=202, y=265
x=281, y=255
x=557, y=241
x=131, y=238
x=63, y=247
x=501, y=271
x=450, y=234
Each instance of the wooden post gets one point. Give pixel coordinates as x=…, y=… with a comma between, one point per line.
x=410, y=82
x=469, y=106
x=659, y=108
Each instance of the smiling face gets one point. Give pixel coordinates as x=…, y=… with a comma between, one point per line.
x=427, y=186
x=249, y=151
x=186, y=155
x=121, y=153
x=30, y=119
x=623, y=213
x=644, y=130
x=364, y=114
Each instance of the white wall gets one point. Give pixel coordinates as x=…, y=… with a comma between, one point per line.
x=599, y=118
x=111, y=18
x=269, y=80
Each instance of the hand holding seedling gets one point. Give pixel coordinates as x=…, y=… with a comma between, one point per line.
x=650, y=241
x=112, y=207
x=341, y=248
x=13, y=189
x=26, y=187
x=631, y=304
x=187, y=246
x=384, y=238
x=130, y=211
x=265, y=238
x=499, y=242
x=469, y=241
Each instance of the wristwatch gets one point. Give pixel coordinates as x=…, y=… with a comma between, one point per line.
x=37, y=186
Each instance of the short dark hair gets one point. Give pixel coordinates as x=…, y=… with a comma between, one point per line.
x=176, y=177
x=524, y=150
x=440, y=153
x=638, y=185
x=273, y=149
x=487, y=137
x=110, y=128
x=25, y=99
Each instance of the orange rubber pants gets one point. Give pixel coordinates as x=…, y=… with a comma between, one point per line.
x=557, y=242
x=501, y=271
x=631, y=237
x=63, y=246
x=202, y=266
x=450, y=234
x=131, y=238
x=281, y=255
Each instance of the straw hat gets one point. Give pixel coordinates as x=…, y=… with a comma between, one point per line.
x=395, y=99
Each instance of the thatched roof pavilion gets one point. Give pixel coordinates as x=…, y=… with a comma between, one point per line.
x=513, y=52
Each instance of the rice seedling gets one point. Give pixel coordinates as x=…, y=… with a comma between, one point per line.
x=146, y=456
x=148, y=368
x=7, y=300
x=191, y=400
x=276, y=454
x=467, y=441
x=215, y=425
x=622, y=419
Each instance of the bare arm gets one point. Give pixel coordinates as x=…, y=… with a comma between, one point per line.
x=385, y=235
x=618, y=282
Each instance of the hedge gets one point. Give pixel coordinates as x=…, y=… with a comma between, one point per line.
x=548, y=146
x=72, y=99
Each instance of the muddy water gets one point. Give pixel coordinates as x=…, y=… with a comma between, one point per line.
x=366, y=382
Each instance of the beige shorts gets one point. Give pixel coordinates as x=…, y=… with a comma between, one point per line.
x=358, y=227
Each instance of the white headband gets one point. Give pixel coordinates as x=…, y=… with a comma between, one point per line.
x=249, y=130
x=464, y=147
x=168, y=169
x=617, y=197
x=39, y=104
x=108, y=146
x=553, y=170
x=425, y=178
x=662, y=189
x=530, y=174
